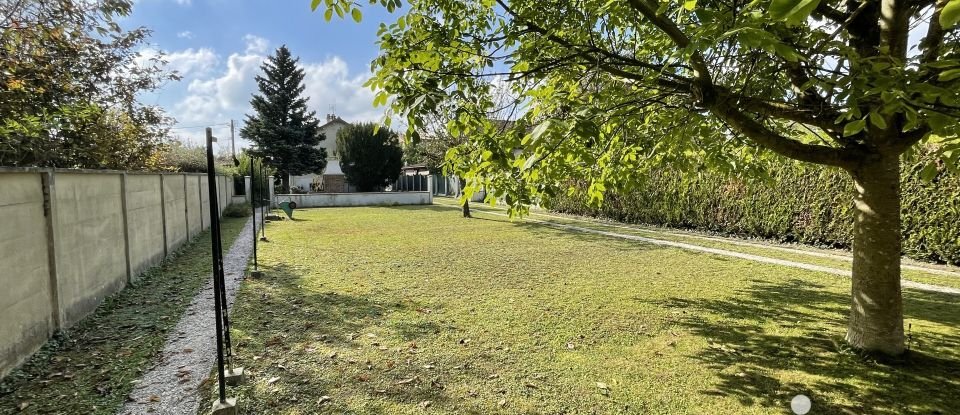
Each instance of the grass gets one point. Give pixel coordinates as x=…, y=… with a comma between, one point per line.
x=677, y=236
x=410, y=310
x=91, y=368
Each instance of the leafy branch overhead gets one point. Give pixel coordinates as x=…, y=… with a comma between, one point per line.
x=613, y=89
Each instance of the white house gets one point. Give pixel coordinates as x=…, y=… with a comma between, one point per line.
x=332, y=179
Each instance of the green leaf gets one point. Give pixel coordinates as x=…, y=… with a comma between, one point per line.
x=877, y=120
x=327, y=15
x=537, y=132
x=854, y=127
x=929, y=172
x=949, y=75
x=314, y=4
x=690, y=5
x=355, y=13
x=793, y=11
x=950, y=14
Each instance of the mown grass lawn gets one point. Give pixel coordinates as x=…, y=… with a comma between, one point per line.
x=93, y=366
x=416, y=310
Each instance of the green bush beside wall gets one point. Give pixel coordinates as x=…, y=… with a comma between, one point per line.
x=803, y=203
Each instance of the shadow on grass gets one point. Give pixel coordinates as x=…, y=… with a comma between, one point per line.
x=312, y=340
x=748, y=354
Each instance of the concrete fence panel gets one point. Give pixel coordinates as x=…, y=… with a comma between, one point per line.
x=174, y=210
x=145, y=224
x=72, y=237
x=204, y=201
x=194, y=217
x=26, y=301
x=88, y=240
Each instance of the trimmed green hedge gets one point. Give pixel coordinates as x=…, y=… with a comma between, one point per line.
x=803, y=203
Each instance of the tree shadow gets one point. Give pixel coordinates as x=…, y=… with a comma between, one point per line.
x=772, y=327
x=312, y=341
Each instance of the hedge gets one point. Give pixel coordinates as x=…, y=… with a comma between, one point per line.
x=802, y=203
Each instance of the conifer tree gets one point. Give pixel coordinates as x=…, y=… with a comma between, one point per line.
x=282, y=129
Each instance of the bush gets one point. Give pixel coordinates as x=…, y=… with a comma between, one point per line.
x=370, y=157
x=803, y=203
x=237, y=210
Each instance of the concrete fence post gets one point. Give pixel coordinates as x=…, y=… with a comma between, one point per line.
x=247, y=187
x=126, y=225
x=270, y=191
x=186, y=208
x=200, y=198
x=47, y=179
x=430, y=188
x=163, y=216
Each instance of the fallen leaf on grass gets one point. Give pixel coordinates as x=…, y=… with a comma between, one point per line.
x=425, y=404
x=23, y=405
x=324, y=399
x=604, y=388
x=272, y=380
x=502, y=403
x=531, y=386
x=406, y=381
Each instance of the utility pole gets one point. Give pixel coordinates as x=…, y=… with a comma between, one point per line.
x=233, y=147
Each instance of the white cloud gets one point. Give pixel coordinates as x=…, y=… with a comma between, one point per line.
x=186, y=34
x=218, y=96
x=255, y=44
x=187, y=62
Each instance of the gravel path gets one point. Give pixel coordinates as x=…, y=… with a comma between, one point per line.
x=170, y=387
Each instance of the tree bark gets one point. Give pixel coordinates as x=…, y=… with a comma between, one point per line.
x=466, y=202
x=876, y=315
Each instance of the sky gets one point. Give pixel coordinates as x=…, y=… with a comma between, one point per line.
x=219, y=45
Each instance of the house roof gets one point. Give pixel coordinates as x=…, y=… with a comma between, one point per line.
x=334, y=121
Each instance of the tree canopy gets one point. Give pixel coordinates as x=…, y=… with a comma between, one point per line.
x=370, y=156
x=69, y=82
x=284, y=132
x=615, y=88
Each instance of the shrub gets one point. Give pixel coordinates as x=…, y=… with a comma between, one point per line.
x=237, y=210
x=802, y=203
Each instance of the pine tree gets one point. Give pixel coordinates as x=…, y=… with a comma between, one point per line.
x=282, y=127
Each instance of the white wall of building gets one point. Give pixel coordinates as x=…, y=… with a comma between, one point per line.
x=330, y=130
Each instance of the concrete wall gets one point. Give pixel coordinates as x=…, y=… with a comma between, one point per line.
x=88, y=241
x=175, y=210
x=27, y=297
x=195, y=216
x=145, y=234
x=204, y=202
x=72, y=237
x=358, y=199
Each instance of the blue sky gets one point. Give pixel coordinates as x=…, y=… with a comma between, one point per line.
x=218, y=46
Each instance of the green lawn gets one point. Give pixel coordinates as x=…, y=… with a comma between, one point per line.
x=416, y=310
x=91, y=369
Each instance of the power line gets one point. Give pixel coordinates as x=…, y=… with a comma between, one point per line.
x=201, y=126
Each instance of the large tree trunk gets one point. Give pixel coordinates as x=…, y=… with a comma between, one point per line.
x=876, y=315
x=466, y=202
